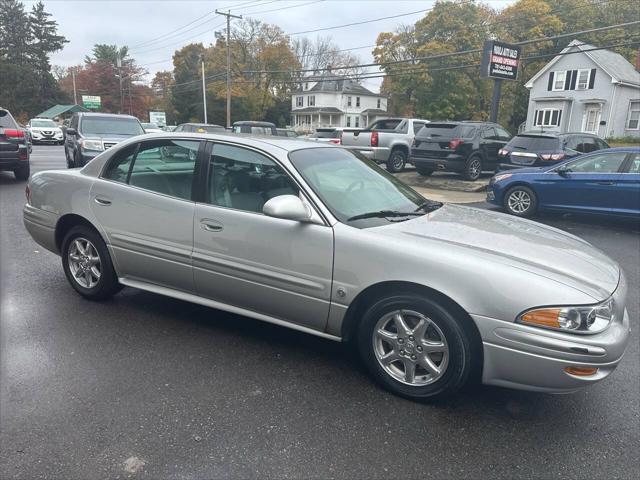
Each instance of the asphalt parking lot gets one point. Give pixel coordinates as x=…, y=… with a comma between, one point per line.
x=144, y=386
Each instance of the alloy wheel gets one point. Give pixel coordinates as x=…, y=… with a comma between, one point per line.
x=410, y=347
x=519, y=201
x=475, y=168
x=84, y=262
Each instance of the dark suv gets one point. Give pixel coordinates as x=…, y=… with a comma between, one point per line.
x=14, y=148
x=534, y=149
x=89, y=134
x=465, y=147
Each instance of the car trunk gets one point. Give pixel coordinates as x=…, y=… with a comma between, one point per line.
x=437, y=140
x=525, y=150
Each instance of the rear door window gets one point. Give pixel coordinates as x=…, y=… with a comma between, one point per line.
x=503, y=134
x=6, y=121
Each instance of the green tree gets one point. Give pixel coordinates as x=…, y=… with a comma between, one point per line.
x=186, y=92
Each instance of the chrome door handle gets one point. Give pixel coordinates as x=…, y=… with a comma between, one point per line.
x=102, y=201
x=211, y=226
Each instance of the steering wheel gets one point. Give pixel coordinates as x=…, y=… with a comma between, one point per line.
x=353, y=186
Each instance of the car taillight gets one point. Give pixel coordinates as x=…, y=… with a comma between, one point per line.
x=374, y=139
x=13, y=133
x=335, y=141
x=552, y=157
x=23, y=154
x=455, y=143
x=27, y=193
x=504, y=152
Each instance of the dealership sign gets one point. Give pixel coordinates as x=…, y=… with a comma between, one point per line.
x=91, y=101
x=159, y=118
x=500, y=60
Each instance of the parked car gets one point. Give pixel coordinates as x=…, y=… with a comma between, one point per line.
x=168, y=128
x=385, y=141
x=45, y=130
x=286, y=132
x=468, y=148
x=151, y=128
x=330, y=134
x=604, y=182
x=534, y=149
x=14, y=147
x=255, y=128
x=199, y=128
x=89, y=134
x=315, y=238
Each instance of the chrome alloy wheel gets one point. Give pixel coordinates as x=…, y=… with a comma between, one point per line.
x=475, y=168
x=410, y=347
x=519, y=201
x=84, y=262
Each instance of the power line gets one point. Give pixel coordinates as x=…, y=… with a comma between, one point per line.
x=288, y=7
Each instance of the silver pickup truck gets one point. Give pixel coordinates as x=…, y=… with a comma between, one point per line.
x=386, y=141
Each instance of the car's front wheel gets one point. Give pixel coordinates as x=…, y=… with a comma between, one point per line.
x=521, y=201
x=415, y=347
x=87, y=264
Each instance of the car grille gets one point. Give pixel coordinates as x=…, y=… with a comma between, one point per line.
x=47, y=133
x=109, y=144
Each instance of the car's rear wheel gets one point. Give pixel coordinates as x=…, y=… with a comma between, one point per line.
x=425, y=171
x=415, y=347
x=22, y=173
x=521, y=201
x=87, y=264
x=472, y=168
x=396, y=161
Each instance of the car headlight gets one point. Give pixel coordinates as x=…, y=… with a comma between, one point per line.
x=589, y=319
x=92, y=145
x=501, y=176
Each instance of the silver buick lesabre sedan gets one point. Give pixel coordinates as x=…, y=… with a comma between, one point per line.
x=315, y=238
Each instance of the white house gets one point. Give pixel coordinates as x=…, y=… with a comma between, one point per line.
x=331, y=100
x=595, y=91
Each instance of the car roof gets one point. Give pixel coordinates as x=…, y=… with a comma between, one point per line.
x=96, y=114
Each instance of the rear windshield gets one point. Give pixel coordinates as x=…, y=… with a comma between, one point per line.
x=388, y=124
x=43, y=123
x=6, y=121
x=326, y=134
x=253, y=130
x=208, y=128
x=149, y=125
x=448, y=130
x=526, y=142
x=110, y=126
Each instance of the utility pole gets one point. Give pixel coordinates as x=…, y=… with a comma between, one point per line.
x=119, y=65
x=495, y=100
x=204, y=91
x=73, y=77
x=229, y=16
x=130, y=102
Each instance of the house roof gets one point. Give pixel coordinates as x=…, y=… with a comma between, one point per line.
x=612, y=63
x=316, y=110
x=58, y=110
x=330, y=82
x=374, y=111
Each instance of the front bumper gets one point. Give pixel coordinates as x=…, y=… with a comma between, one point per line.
x=530, y=358
x=37, y=137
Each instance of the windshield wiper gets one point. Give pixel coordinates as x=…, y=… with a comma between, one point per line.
x=428, y=206
x=383, y=214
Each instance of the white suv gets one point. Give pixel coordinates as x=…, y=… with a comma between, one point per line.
x=44, y=130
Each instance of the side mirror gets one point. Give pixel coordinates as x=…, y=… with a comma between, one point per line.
x=288, y=207
x=563, y=171
x=71, y=131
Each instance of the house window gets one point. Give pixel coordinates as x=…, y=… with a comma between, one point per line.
x=299, y=101
x=348, y=103
x=311, y=100
x=558, y=80
x=547, y=117
x=378, y=104
x=348, y=120
x=633, y=117
x=357, y=122
x=357, y=102
x=583, y=79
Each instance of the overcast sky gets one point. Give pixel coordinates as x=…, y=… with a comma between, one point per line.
x=134, y=22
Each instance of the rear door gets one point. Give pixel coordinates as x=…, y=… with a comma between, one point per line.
x=628, y=186
x=143, y=202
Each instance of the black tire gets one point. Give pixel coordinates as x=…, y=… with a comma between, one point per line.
x=397, y=161
x=77, y=160
x=107, y=285
x=472, y=168
x=457, y=370
x=22, y=173
x=425, y=171
x=521, y=201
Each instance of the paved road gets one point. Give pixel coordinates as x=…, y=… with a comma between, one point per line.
x=173, y=390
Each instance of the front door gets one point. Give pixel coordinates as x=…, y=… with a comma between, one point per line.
x=279, y=268
x=591, y=120
x=143, y=202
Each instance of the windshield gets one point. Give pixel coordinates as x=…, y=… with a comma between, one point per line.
x=44, y=123
x=351, y=186
x=110, y=126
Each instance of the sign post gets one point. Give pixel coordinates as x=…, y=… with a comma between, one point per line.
x=92, y=102
x=500, y=61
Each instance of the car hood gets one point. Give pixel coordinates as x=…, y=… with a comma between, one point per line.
x=524, y=244
x=110, y=137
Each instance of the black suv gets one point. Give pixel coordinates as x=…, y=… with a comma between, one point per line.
x=199, y=128
x=14, y=147
x=465, y=147
x=89, y=134
x=534, y=149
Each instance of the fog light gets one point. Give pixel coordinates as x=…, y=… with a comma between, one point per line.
x=581, y=371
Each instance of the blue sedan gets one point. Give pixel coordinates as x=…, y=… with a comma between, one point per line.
x=605, y=182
